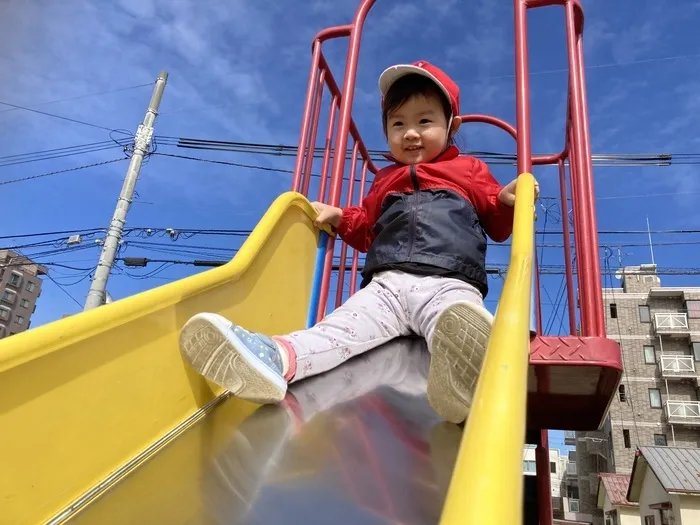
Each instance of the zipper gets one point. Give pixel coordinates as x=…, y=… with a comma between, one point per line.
x=414, y=210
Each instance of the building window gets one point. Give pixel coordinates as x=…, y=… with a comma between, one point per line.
x=14, y=279
x=696, y=350
x=552, y=467
x=660, y=440
x=644, y=314
x=24, y=303
x=693, y=308
x=19, y=319
x=529, y=466
x=655, y=398
x=613, y=311
x=649, y=520
x=649, y=354
x=4, y=313
x=626, y=438
x=621, y=390
x=8, y=296
x=30, y=286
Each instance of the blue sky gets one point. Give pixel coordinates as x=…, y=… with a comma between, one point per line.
x=238, y=71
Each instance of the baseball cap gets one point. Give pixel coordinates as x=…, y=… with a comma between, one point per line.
x=426, y=69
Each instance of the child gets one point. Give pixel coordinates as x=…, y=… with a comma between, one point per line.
x=423, y=225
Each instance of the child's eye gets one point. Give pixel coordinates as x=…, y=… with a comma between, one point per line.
x=397, y=124
x=425, y=121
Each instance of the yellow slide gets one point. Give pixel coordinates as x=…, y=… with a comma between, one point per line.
x=85, y=400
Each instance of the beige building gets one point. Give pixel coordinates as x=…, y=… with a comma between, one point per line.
x=557, y=471
x=657, y=403
x=20, y=287
x=665, y=482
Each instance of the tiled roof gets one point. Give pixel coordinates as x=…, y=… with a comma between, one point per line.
x=616, y=488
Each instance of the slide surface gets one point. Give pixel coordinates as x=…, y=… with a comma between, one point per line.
x=86, y=399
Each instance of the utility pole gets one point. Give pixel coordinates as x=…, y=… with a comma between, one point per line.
x=142, y=141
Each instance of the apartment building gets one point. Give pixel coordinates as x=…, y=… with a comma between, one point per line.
x=658, y=400
x=20, y=287
x=558, y=465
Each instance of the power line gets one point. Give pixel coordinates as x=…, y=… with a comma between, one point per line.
x=16, y=106
x=49, y=174
x=81, y=96
x=64, y=290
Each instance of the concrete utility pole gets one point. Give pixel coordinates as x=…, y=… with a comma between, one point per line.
x=142, y=141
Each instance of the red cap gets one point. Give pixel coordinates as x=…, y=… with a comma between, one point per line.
x=444, y=82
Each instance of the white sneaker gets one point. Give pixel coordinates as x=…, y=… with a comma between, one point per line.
x=247, y=364
x=457, y=351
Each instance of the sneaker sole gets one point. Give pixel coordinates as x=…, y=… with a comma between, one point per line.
x=457, y=354
x=210, y=348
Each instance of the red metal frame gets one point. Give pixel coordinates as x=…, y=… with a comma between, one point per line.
x=586, y=347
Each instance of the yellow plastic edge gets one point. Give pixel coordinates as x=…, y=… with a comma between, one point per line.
x=83, y=396
x=487, y=482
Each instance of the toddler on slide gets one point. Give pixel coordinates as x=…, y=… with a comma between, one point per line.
x=424, y=225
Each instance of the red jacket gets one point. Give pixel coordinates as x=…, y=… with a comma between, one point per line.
x=467, y=176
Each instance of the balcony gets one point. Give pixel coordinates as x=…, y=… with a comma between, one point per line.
x=671, y=323
x=677, y=367
x=683, y=412
x=569, y=437
x=571, y=469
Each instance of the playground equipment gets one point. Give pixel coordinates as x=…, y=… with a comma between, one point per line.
x=100, y=416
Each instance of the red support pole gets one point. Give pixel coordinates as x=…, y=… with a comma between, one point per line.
x=311, y=150
x=341, y=140
x=306, y=119
x=356, y=254
x=544, y=485
x=327, y=151
x=522, y=89
x=575, y=192
x=587, y=253
x=567, y=250
x=344, y=247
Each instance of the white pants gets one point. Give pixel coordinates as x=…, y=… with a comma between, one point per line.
x=394, y=304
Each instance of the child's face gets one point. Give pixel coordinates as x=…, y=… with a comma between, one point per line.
x=417, y=130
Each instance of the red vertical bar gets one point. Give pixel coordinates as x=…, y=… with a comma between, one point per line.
x=596, y=293
x=327, y=150
x=356, y=254
x=522, y=89
x=567, y=249
x=575, y=192
x=538, y=299
x=341, y=141
x=311, y=151
x=303, y=136
x=544, y=486
x=344, y=247
x=587, y=254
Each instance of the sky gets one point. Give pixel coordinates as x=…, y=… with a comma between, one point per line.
x=238, y=71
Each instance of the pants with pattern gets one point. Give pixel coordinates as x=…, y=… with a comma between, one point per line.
x=394, y=304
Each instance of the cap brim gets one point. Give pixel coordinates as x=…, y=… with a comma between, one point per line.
x=394, y=73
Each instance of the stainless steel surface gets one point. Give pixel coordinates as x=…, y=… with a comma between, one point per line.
x=357, y=445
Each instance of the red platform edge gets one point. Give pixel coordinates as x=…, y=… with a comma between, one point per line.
x=572, y=412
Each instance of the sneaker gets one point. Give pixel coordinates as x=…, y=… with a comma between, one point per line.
x=457, y=353
x=246, y=363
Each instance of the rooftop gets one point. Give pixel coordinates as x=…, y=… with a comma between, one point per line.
x=677, y=469
x=616, y=486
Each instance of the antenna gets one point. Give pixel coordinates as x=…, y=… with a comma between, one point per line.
x=651, y=245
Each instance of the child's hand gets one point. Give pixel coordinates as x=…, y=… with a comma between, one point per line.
x=327, y=214
x=507, y=194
